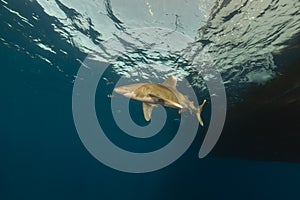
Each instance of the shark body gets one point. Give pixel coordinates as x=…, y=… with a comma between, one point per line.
x=166, y=94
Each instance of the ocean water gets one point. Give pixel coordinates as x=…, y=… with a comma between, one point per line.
x=43, y=45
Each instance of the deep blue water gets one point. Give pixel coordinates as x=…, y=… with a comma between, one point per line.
x=43, y=157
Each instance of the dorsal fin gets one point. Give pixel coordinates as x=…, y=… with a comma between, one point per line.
x=170, y=82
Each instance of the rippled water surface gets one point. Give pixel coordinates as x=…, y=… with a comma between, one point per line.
x=241, y=37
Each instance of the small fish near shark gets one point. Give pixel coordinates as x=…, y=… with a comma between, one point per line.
x=165, y=94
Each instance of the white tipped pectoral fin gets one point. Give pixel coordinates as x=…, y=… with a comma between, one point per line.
x=173, y=104
x=147, y=110
x=165, y=102
x=178, y=105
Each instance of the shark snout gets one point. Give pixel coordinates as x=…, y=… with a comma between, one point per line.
x=120, y=90
x=123, y=91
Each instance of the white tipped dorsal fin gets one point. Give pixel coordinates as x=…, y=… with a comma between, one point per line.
x=170, y=82
x=147, y=110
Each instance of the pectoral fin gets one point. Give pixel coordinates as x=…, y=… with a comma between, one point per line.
x=165, y=102
x=172, y=104
x=147, y=110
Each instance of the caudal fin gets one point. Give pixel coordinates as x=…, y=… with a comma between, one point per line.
x=198, y=113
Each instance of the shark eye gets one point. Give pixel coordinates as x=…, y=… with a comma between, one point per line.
x=160, y=101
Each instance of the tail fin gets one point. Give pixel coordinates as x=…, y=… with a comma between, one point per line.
x=198, y=113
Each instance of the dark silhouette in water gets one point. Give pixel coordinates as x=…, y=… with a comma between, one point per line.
x=266, y=125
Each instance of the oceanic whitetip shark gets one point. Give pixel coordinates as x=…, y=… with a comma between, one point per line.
x=166, y=94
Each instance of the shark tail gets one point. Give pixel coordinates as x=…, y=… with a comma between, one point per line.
x=198, y=112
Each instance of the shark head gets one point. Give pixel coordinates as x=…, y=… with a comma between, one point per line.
x=127, y=90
